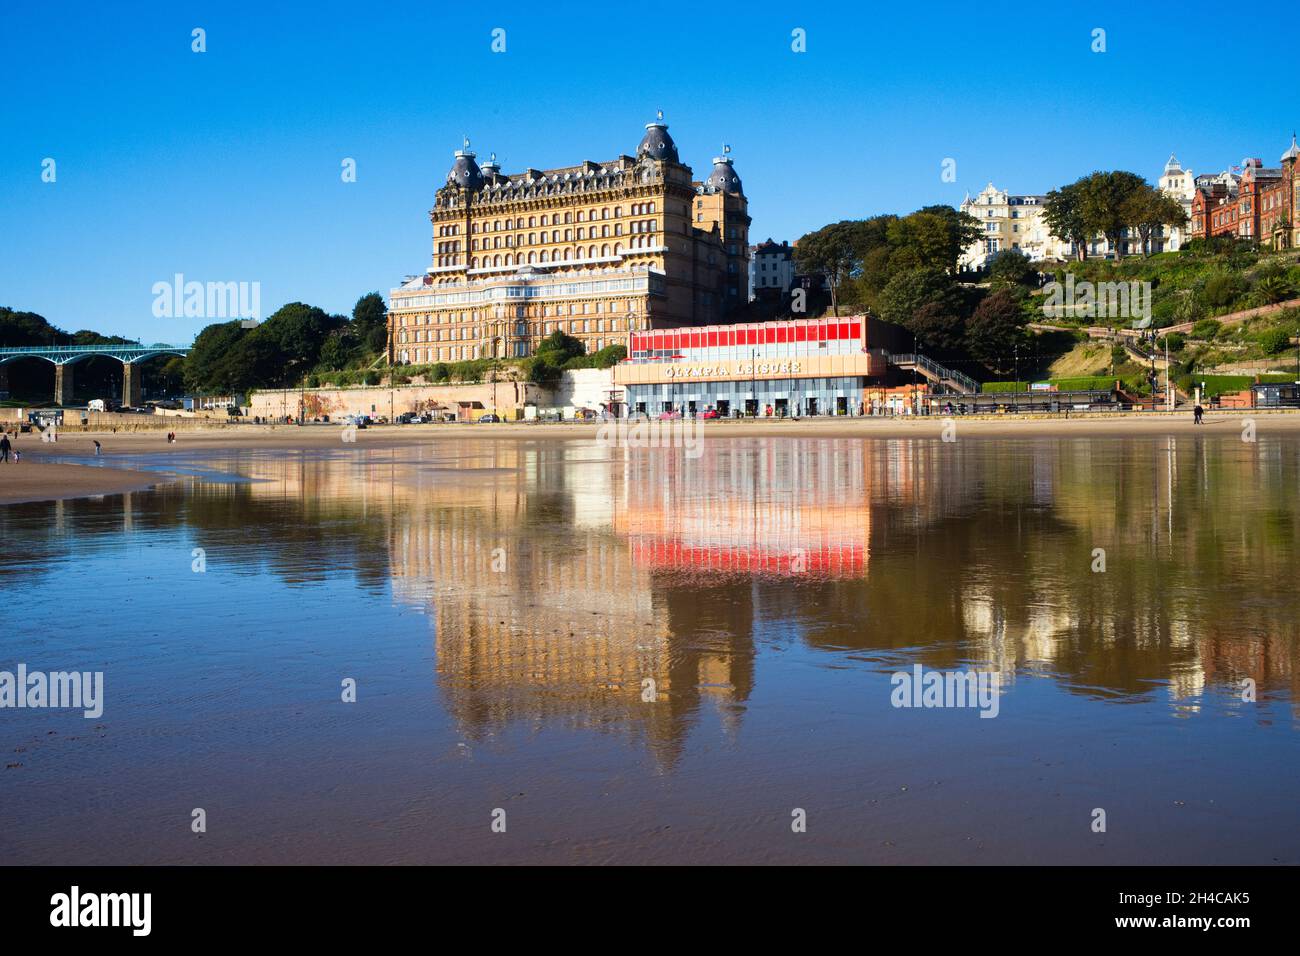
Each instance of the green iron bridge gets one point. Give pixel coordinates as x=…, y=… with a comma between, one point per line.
x=64, y=357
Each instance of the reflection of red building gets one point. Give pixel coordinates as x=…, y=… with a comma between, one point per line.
x=751, y=510
x=842, y=559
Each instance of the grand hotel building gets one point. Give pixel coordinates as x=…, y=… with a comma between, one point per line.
x=596, y=250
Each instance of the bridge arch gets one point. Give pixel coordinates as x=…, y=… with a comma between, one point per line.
x=63, y=357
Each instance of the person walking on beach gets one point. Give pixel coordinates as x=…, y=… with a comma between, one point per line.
x=4, y=447
x=1198, y=414
x=98, y=448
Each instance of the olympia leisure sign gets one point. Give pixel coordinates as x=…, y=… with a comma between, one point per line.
x=741, y=368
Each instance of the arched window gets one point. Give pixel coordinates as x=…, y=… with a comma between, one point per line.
x=510, y=224
x=578, y=254
x=618, y=211
x=555, y=236
x=582, y=233
x=543, y=256
x=532, y=257
x=496, y=260
x=544, y=222
x=568, y=235
x=474, y=262
x=532, y=238
x=568, y=218
x=604, y=251
x=604, y=232
x=566, y=255
x=532, y=221
x=591, y=252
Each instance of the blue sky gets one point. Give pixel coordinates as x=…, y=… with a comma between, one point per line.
x=225, y=165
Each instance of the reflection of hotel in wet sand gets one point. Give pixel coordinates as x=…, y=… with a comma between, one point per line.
x=567, y=633
x=587, y=609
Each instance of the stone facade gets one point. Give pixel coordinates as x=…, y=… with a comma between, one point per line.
x=595, y=250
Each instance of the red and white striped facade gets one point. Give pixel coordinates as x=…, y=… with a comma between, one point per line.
x=791, y=339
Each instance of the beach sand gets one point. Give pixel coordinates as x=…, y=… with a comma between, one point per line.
x=36, y=479
x=33, y=480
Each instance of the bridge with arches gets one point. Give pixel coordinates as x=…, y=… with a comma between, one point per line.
x=64, y=357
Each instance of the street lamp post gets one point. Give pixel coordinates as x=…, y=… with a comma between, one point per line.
x=1015, y=375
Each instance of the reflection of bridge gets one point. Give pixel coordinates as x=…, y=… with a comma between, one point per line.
x=63, y=357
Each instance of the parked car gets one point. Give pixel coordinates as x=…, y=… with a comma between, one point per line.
x=487, y=419
x=711, y=413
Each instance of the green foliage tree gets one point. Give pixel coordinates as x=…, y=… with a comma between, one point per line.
x=994, y=329
x=1063, y=213
x=834, y=252
x=931, y=238
x=907, y=292
x=1012, y=269
x=1104, y=204
x=370, y=322
x=1147, y=209
x=279, y=352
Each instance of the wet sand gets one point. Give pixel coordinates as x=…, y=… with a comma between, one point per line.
x=31, y=480
x=40, y=480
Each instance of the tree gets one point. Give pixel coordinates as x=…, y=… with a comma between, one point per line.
x=938, y=329
x=1103, y=203
x=370, y=321
x=932, y=238
x=28, y=328
x=281, y=351
x=561, y=347
x=1063, y=213
x=1147, y=209
x=835, y=252
x=908, y=293
x=207, y=367
x=995, y=328
x=1012, y=269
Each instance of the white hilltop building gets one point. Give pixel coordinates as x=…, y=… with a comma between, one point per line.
x=1181, y=185
x=1014, y=221
x=1009, y=222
